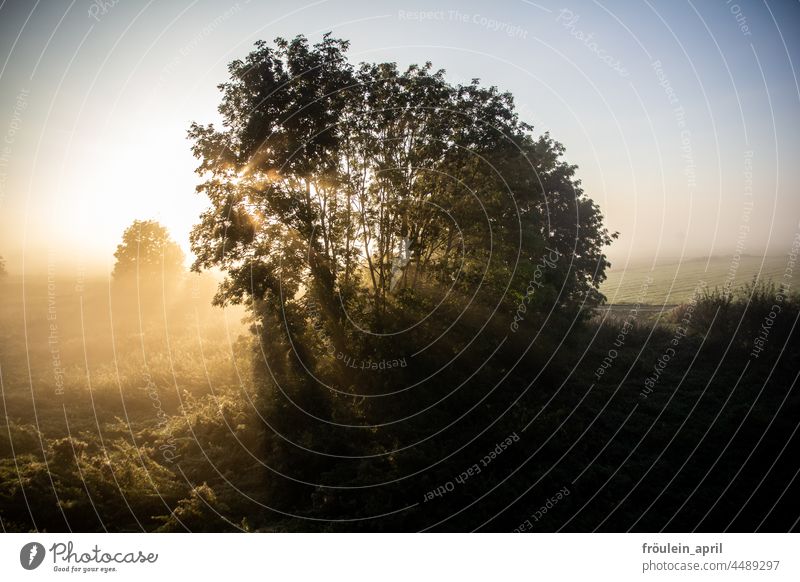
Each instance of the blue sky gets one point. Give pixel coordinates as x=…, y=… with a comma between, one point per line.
x=682, y=116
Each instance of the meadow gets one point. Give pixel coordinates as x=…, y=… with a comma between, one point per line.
x=674, y=281
x=126, y=413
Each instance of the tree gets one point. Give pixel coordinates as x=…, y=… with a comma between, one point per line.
x=327, y=178
x=3, y=271
x=149, y=263
x=349, y=198
x=147, y=251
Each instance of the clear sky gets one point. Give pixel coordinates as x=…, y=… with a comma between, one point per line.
x=682, y=116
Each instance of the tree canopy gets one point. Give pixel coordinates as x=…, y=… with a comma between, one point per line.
x=147, y=252
x=356, y=185
x=367, y=216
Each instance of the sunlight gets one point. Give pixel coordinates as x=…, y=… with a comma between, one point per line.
x=517, y=269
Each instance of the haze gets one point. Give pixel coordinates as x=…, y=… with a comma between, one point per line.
x=682, y=117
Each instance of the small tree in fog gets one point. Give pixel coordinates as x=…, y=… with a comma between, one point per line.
x=148, y=254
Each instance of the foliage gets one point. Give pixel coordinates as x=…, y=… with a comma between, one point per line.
x=346, y=198
x=736, y=319
x=418, y=270
x=643, y=463
x=353, y=185
x=199, y=512
x=146, y=253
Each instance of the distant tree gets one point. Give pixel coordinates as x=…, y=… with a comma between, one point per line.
x=148, y=254
x=3, y=271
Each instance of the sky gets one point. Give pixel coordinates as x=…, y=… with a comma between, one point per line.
x=682, y=117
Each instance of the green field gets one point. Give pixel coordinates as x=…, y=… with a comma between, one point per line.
x=674, y=282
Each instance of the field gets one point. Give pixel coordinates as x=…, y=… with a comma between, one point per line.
x=63, y=336
x=101, y=387
x=123, y=412
x=674, y=282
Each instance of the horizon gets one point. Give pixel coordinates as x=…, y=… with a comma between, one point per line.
x=71, y=270
x=97, y=112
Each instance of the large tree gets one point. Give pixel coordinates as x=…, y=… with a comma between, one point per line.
x=364, y=210
x=361, y=183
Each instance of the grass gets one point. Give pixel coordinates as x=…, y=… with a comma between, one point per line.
x=183, y=386
x=674, y=282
